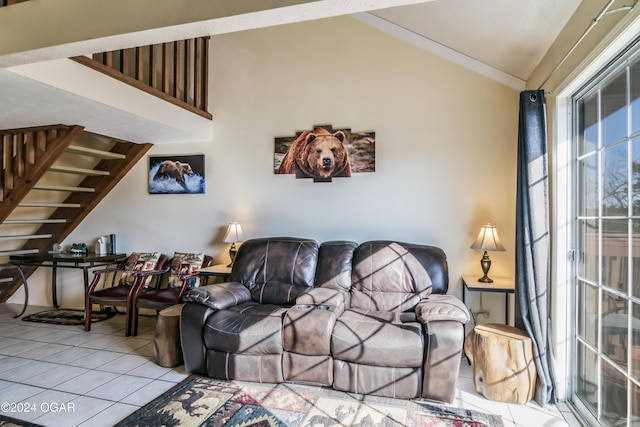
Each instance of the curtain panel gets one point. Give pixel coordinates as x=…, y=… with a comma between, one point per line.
x=533, y=239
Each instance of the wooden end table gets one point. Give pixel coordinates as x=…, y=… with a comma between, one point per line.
x=219, y=270
x=505, y=285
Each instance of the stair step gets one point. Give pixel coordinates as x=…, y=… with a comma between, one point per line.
x=79, y=171
x=64, y=188
x=49, y=205
x=94, y=153
x=35, y=221
x=6, y=280
x=19, y=252
x=26, y=237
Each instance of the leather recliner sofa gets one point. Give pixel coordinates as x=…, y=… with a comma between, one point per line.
x=370, y=318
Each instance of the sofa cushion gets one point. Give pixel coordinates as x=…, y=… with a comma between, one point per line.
x=335, y=261
x=377, y=338
x=395, y=276
x=249, y=328
x=276, y=270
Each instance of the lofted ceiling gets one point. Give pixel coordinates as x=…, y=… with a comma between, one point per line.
x=510, y=36
x=502, y=39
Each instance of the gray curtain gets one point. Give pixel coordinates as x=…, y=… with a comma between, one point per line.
x=533, y=240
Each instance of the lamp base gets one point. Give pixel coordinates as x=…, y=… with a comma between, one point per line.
x=232, y=254
x=485, y=263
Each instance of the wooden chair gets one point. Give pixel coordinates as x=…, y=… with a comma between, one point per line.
x=137, y=272
x=160, y=297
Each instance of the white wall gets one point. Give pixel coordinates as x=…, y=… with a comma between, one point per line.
x=446, y=142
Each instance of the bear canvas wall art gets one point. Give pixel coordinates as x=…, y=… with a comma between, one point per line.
x=324, y=153
x=170, y=174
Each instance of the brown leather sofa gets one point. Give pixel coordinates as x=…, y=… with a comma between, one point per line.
x=371, y=318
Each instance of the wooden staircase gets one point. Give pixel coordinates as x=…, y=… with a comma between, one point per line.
x=49, y=185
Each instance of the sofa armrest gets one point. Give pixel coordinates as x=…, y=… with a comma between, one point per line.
x=219, y=296
x=323, y=297
x=308, y=325
x=442, y=307
x=444, y=317
x=145, y=273
x=193, y=319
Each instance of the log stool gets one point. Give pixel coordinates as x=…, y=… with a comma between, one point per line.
x=166, y=345
x=503, y=365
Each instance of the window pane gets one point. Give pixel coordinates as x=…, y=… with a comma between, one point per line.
x=635, y=175
x=635, y=362
x=586, y=387
x=588, y=124
x=635, y=398
x=635, y=258
x=635, y=341
x=614, y=109
x=588, y=250
x=588, y=313
x=614, y=395
x=588, y=186
x=615, y=328
x=615, y=254
x=635, y=97
x=615, y=197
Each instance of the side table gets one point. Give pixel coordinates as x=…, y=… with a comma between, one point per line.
x=24, y=284
x=505, y=285
x=218, y=270
x=167, y=349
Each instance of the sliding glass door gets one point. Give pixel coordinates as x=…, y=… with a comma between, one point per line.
x=606, y=160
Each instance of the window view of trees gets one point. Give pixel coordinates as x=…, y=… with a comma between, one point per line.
x=608, y=246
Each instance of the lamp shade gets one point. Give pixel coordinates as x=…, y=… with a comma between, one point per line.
x=234, y=233
x=488, y=239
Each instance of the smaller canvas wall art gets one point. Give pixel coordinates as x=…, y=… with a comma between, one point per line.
x=324, y=153
x=169, y=174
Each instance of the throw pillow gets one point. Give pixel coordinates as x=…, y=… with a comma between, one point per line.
x=184, y=264
x=139, y=261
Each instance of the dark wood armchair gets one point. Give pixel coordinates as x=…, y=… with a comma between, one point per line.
x=137, y=272
x=160, y=297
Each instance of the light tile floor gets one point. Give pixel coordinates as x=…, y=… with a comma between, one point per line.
x=68, y=377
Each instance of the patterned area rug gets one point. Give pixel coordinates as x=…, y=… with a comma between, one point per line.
x=14, y=422
x=63, y=316
x=199, y=401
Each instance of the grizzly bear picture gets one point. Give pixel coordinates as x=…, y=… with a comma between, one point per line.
x=176, y=174
x=325, y=152
x=317, y=154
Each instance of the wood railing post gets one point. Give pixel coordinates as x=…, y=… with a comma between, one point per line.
x=177, y=70
x=197, y=74
x=165, y=68
x=187, y=71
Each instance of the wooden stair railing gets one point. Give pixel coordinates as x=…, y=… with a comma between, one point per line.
x=176, y=72
x=67, y=214
x=26, y=155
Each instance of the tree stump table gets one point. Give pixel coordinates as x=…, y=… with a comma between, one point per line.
x=166, y=345
x=503, y=366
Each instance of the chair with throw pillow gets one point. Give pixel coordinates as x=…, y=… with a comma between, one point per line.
x=184, y=268
x=137, y=271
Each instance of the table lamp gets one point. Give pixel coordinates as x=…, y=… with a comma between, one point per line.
x=233, y=235
x=487, y=240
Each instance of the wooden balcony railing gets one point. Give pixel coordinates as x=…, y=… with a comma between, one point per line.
x=174, y=71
